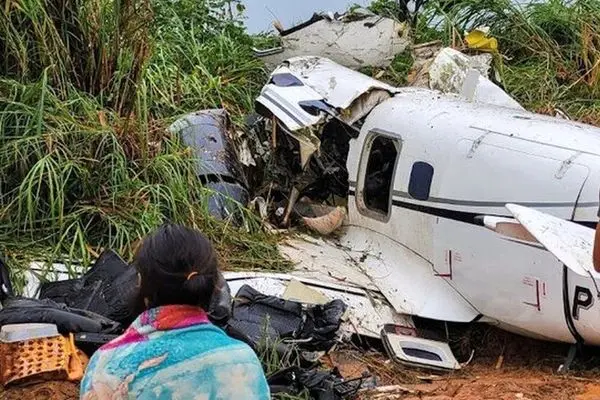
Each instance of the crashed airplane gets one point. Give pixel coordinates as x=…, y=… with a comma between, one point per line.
x=463, y=210
x=457, y=207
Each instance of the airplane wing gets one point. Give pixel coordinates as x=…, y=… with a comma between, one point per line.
x=571, y=243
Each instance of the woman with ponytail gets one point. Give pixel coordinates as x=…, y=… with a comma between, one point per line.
x=172, y=351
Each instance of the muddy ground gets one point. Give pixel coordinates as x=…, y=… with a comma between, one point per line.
x=58, y=390
x=503, y=367
x=478, y=381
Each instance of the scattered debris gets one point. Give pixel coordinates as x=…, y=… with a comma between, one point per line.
x=408, y=349
x=423, y=55
x=362, y=317
x=355, y=39
x=322, y=385
x=415, y=224
x=322, y=268
x=368, y=283
x=219, y=166
x=478, y=39
x=30, y=352
x=453, y=72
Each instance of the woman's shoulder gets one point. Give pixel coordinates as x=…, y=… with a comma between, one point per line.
x=220, y=338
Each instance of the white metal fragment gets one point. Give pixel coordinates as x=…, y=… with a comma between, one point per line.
x=366, y=41
x=570, y=243
x=448, y=73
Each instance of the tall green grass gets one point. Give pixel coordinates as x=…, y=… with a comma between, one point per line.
x=87, y=90
x=549, y=56
x=550, y=51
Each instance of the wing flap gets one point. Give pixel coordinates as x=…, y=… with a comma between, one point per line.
x=571, y=243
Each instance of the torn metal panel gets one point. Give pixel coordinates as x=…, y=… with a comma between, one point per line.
x=367, y=311
x=339, y=86
x=285, y=103
x=355, y=40
x=327, y=88
x=326, y=261
x=407, y=280
x=205, y=132
x=363, y=259
x=449, y=73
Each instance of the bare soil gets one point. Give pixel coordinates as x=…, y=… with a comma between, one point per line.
x=51, y=390
x=476, y=381
x=505, y=367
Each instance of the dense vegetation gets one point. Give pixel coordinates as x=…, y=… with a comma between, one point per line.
x=549, y=51
x=88, y=88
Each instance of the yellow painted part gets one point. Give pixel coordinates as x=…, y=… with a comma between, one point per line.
x=478, y=40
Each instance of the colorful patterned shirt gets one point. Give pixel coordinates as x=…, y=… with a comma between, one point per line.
x=174, y=352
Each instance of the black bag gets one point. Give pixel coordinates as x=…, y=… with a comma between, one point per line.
x=68, y=320
x=6, y=290
x=322, y=385
x=109, y=288
x=257, y=317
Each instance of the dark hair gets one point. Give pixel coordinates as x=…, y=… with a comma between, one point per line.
x=177, y=265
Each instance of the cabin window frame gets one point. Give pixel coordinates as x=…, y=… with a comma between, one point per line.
x=361, y=206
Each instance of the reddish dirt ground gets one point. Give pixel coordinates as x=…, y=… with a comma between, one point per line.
x=475, y=382
x=53, y=390
x=505, y=367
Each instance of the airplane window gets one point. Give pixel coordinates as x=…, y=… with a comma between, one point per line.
x=285, y=80
x=379, y=174
x=420, y=180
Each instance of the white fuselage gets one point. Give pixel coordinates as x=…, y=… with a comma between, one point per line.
x=458, y=161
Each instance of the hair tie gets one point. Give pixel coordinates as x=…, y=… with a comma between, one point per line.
x=191, y=275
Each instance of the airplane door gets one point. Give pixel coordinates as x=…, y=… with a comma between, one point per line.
x=380, y=231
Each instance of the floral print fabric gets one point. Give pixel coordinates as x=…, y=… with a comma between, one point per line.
x=174, y=352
